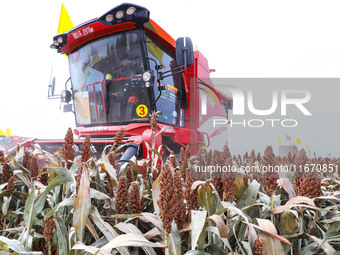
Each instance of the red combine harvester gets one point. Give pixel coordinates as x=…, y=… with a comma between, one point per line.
x=124, y=66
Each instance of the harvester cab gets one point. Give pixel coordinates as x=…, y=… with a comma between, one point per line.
x=123, y=66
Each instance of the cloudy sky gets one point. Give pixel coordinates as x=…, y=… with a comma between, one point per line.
x=263, y=38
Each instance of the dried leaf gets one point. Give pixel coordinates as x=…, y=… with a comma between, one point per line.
x=83, y=204
x=149, y=217
x=155, y=194
x=288, y=187
x=240, y=187
x=271, y=239
x=295, y=201
x=198, y=219
x=152, y=233
x=222, y=228
x=109, y=168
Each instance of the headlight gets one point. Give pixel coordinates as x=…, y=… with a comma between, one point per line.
x=109, y=18
x=66, y=96
x=60, y=39
x=63, y=93
x=119, y=14
x=147, y=76
x=130, y=10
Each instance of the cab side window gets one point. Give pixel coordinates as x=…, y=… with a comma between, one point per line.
x=168, y=102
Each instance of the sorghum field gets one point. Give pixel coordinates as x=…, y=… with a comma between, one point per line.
x=81, y=205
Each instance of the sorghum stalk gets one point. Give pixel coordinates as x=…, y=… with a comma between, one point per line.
x=122, y=196
x=179, y=205
x=86, y=149
x=134, y=200
x=49, y=232
x=68, y=150
x=165, y=201
x=33, y=166
x=258, y=246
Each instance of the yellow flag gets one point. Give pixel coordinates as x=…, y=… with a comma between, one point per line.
x=279, y=141
x=298, y=141
x=2, y=132
x=65, y=22
x=8, y=133
x=155, y=51
x=307, y=147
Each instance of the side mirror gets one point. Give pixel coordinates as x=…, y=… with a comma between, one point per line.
x=184, y=52
x=51, y=89
x=53, y=86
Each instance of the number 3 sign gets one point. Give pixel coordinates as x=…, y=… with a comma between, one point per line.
x=142, y=110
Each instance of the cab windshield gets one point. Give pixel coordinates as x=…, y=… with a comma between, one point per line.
x=106, y=78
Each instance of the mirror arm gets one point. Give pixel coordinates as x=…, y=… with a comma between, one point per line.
x=67, y=82
x=52, y=96
x=182, y=68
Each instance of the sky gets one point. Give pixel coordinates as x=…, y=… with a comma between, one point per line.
x=245, y=38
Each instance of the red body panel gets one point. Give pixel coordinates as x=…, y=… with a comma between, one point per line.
x=92, y=31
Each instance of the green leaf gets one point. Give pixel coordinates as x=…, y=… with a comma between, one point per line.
x=332, y=236
x=130, y=228
x=250, y=195
x=198, y=219
x=63, y=245
x=106, y=229
x=71, y=201
x=214, y=249
x=175, y=241
x=20, y=175
x=195, y=252
x=325, y=246
x=289, y=224
x=90, y=249
x=157, y=153
x=335, y=227
x=3, y=246
x=12, y=244
x=83, y=204
x=98, y=195
x=217, y=232
x=64, y=176
x=130, y=239
x=29, y=216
